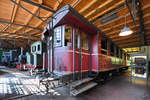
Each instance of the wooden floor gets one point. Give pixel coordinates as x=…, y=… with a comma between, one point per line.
x=15, y=83
x=118, y=88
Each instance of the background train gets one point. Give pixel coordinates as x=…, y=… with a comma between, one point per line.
x=8, y=57
x=76, y=48
x=37, y=57
x=33, y=60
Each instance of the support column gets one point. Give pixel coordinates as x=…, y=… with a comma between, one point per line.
x=115, y=51
x=140, y=13
x=48, y=54
x=119, y=53
x=74, y=57
x=108, y=47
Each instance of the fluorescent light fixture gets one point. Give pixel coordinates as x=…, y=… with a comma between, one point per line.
x=125, y=31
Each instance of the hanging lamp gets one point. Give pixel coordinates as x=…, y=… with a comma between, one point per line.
x=126, y=30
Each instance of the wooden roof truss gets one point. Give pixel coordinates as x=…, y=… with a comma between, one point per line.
x=26, y=19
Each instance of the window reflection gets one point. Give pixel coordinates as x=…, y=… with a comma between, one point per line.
x=84, y=39
x=68, y=32
x=57, y=37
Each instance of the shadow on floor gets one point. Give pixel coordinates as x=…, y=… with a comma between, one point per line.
x=119, y=88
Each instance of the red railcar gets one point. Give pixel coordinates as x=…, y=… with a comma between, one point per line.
x=77, y=48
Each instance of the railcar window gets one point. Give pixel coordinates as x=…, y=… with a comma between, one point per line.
x=84, y=43
x=33, y=48
x=57, y=37
x=104, y=46
x=77, y=39
x=38, y=47
x=68, y=33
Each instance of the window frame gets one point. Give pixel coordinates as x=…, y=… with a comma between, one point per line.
x=78, y=38
x=61, y=39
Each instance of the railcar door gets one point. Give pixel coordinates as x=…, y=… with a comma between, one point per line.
x=81, y=54
x=84, y=54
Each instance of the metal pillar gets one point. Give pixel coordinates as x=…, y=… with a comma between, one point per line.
x=90, y=56
x=115, y=52
x=119, y=53
x=50, y=47
x=80, y=55
x=48, y=54
x=74, y=50
x=140, y=13
x=108, y=47
x=21, y=50
x=130, y=13
x=98, y=51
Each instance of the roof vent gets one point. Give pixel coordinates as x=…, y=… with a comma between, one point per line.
x=109, y=18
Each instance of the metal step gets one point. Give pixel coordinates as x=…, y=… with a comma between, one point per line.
x=82, y=88
x=79, y=82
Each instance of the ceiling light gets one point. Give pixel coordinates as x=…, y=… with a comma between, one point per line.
x=125, y=31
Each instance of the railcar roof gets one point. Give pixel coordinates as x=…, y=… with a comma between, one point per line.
x=68, y=15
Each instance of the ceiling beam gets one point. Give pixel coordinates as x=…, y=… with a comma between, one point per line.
x=127, y=3
x=118, y=38
x=128, y=22
x=140, y=13
x=135, y=44
x=15, y=11
x=57, y=4
x=87, y=6
x=21, y=25
x=49, y=14
x=29, y=11
x=11, y=38
x=120, y=17
x=107, y=10
x=117, y=26
x=38, y=23
x=22, y=32
x=108, y=14
x=13, y=15
x=112, y=33
x=40, y=1
x=26, y=22
x=23, y=35
x=128, y=41
x=41, y=6
x=75, y=3
x=99, y=7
